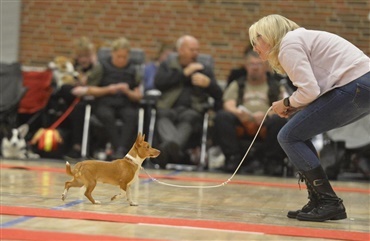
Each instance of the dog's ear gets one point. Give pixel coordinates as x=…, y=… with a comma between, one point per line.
x=23, y=130
x=138, y=138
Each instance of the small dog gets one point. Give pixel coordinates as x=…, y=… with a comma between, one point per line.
x=14, y=145
x=121, y=172
x=63, y=71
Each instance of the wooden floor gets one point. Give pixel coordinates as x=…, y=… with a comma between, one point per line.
x=248, y=208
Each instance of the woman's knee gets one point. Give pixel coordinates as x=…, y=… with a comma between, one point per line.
x=283, y=136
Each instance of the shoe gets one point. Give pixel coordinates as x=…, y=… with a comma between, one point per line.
x=73, y=154
x=232, y=163
x=173, y=151
x=164, y=157
x=272, y=167
x=252, y=167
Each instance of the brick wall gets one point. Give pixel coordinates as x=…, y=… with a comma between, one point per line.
x=48, y=27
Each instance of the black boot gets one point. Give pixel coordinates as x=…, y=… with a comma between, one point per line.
x=312, y=203
x=329, y=207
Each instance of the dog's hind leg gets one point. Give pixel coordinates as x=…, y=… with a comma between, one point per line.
x=89, y=189
x=73, y=183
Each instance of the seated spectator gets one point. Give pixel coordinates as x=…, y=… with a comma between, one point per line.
x=185, y=85
x=241, y=71
x=89, y=74
x=123, y=105
x=151, y=68
x=86, y=63
x=246, y=101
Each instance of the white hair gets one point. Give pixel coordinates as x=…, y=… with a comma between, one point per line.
x=182, y=39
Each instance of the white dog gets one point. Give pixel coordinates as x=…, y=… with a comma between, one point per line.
x=14, y=145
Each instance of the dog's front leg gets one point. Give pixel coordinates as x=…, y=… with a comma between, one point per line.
x=128, y=195
x=118, y=196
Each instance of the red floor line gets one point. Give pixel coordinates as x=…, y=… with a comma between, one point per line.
x=194, y=179
x=181, y=222
x=32, y=235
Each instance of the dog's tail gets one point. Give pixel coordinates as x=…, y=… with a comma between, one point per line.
x=68, y=169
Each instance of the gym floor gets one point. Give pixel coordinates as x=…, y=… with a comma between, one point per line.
x=249, y=207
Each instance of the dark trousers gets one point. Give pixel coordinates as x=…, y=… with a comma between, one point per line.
x=76, y=119
x=177, y=125
x=120, y=136
x=232, y=145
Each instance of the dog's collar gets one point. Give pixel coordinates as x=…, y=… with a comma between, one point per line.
x=132, y=159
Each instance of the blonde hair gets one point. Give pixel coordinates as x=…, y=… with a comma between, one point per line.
x=121, y=43
x=272, y=30
x=83, y=45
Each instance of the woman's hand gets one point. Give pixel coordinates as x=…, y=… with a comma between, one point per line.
x=281, y=110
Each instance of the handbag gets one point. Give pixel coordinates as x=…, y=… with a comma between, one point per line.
x=250, y=128
x=49, y=139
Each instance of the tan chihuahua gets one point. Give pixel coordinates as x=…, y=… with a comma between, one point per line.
x=121, y=172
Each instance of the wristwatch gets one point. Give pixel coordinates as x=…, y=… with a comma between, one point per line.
x=286, y=102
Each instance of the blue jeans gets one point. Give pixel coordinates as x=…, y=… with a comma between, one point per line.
x=336, y=108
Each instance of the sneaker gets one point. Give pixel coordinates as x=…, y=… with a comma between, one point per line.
x=232, y=163
x=73, y=154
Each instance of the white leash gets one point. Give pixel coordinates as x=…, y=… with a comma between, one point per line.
x=225, y=182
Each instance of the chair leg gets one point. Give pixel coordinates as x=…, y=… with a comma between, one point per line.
x=85, y=134
x=153, y=114
x=203, y=149
x=141, y=120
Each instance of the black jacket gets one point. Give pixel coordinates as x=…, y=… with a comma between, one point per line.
x=177, y=89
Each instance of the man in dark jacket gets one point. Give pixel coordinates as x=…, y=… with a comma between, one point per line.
x=186, y=84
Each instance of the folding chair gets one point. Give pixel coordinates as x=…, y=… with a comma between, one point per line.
x=11, y=93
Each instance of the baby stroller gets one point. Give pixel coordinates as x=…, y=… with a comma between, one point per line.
x=11, y=92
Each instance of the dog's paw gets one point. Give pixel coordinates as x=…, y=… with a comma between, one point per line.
x=97, y=202
x=114, y=197
x=133, y=204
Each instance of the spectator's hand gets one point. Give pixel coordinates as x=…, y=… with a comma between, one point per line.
x=94, y=59
x=82, y=78
x=193, y=67
x=79, y=90
x=243, y=116
x=200, y=80
x=123, y=87
x=258, y=116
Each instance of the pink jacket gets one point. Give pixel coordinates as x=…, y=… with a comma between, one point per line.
x=318, y=61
